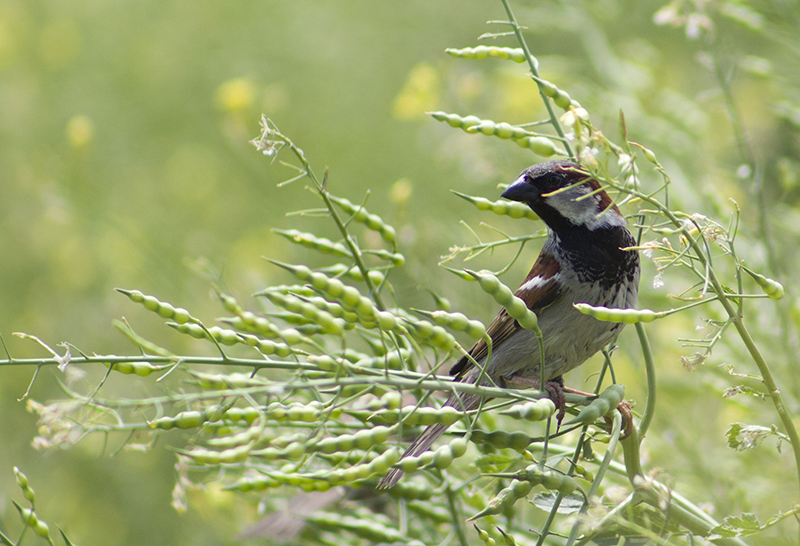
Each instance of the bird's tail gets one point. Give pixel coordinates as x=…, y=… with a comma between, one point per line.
x=418, y=447
x=426, y=439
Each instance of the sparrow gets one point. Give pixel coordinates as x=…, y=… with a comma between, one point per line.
x=586, y=258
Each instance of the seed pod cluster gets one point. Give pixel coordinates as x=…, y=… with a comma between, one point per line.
x=231, y=337
x=601, y=406
x=505, y=297
x=431, y=334
x=501, y=439
x=250, y=322
x=531, y=411
x=515, y=54
x=163, y=309
x=320, y=244
x=329, y=323
x=348, y=296
x=372, y=221
x=514, y=209
x=627, y=316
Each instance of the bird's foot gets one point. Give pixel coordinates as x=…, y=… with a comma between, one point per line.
x=553, y=387
x=624, y=408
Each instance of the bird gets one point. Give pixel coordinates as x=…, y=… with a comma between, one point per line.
x=588, y=256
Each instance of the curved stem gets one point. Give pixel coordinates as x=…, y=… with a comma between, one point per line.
x=650, y=371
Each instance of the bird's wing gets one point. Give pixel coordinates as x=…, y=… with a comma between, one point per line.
x=538, y=291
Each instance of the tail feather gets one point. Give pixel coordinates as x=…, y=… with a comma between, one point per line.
x=428, y=436
x=417, y=447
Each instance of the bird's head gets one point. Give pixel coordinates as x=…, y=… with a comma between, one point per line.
x=565, y=196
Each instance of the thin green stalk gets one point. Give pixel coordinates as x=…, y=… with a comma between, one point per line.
x=535, y=71
x=650, y=372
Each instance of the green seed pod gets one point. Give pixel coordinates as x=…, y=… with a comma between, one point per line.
x=771, y=288
x=250, y=322
x=320, y=244
x=322, y=318
x=540, y=146
x=547, y=88
x=382, y=463
x=189, y=419
x=30, y=518
x=372, y=221
x=484, y=536
x=601, y=406
x=141, y=369
x=513, y=209
x=22, y=482
x=363, y=527
x=436, y=336
x=165, y=310
x=562, y=99
x=531, y=411
x=505, y=499
x=554, y=481
x=254, y=483
x=457, y=322
x=411, y=490
x=334, y=309
x=505, y=297
x=501, y=439
x=443, y=457
x=627, y=316
x=515, y=54
x=398, y=260
x=248, y=414
x=501, y=130
x=454, y=120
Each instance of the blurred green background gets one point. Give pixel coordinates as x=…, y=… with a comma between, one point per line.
x=125, y=162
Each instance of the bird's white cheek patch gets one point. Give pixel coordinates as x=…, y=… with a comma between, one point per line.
x=585, y=211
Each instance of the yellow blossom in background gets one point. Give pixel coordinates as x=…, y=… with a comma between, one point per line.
x=80, y=131
x=420, y=93
x=236, y=95
x=401, y=191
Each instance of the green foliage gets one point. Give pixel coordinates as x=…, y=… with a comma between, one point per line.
x=314, y=386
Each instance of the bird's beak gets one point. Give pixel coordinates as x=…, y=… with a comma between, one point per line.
x=520, y=190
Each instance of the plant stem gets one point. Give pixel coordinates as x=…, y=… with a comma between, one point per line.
x=533, y=65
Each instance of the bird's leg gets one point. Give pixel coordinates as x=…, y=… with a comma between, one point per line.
x=624, y=408
x=554, y=387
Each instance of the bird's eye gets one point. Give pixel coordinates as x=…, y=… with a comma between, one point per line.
x=549, y=183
